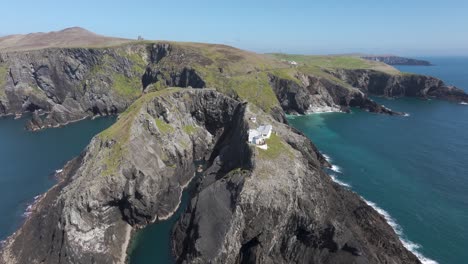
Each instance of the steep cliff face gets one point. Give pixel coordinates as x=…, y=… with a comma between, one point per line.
x=317, y=94
x=61, y=85
x=70, y=84
x=251, y=206
x=411, y=85
x=283, y=210
x=130, y=175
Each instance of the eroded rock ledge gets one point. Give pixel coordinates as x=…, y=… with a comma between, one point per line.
x=252, y=206
x=317, y=94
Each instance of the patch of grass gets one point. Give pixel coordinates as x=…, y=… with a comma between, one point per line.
x=287, y=74
x=139, y=64
x=318, y=72
x=163, y=127
x=112, y=159
x=276, y=147
x=336, y=62
x=126, y=86
x=256, y=89
x=189, y=129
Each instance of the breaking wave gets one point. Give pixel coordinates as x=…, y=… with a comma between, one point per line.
x=336, y=168
x=28, y=210
x=342, y=183
x=411, y=246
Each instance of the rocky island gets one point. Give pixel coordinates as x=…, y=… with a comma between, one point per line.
x=179, y=103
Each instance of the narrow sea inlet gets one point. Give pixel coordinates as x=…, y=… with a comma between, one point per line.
x=28, y=161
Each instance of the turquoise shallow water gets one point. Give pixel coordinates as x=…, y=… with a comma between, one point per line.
x=415, y=168
x=28, y=161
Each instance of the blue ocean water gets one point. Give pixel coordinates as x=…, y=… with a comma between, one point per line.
x=28, y=161
x=414, y=168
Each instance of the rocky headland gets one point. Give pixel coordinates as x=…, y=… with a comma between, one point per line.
x=396, y=60
x=180, y=103
x=252, y=205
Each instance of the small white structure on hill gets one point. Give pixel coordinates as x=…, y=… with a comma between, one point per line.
x=294, y=63
x=258, y=136
x=265, y=130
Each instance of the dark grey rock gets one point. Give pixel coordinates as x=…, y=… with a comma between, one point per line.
x=250, y=206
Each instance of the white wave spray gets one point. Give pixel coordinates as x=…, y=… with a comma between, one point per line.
x=28, y=210
x=411, y=246
x=342, y=183
x=336, y=168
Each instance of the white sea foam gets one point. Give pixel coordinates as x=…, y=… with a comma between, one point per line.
x=28, y=210
x=342, y=183
x=464, y=103
x=323, y=109
x=411, y=246
x=336, y=168
x=406, y=114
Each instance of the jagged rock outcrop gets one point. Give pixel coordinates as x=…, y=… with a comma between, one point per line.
x=317, y=94
x=251, y=206
x=66, y=85
x=310, y=93
x=411, y=85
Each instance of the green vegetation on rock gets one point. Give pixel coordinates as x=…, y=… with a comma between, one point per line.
x=3, y=76
x=276, y=147
x=189, y=129
x=119, y=133
x=163, y=127
x=125, y=86
x=336, y=62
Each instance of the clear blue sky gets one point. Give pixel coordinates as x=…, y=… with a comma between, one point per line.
x=411, y=27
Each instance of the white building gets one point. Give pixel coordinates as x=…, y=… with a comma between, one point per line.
x=258, y=136
x=265, y=130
